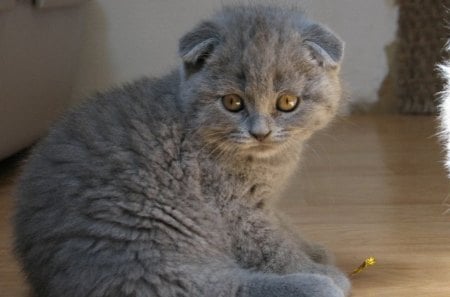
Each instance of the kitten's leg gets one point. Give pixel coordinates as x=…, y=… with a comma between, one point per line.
x=263, y=245
x=120, y=275
x=316, y=252
x=302, y=263
x=93, y=268
x=293, y=285
x=236, y=282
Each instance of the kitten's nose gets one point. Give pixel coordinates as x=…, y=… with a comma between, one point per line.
x=260, y=135
x=259, y=127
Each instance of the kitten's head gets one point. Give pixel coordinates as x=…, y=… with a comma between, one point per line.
x=259, y=80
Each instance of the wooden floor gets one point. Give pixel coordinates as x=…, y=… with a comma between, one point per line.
x=369, y=186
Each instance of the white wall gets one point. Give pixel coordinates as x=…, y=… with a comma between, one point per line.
x=39, y=50
x=126, y=39
x=367, y=27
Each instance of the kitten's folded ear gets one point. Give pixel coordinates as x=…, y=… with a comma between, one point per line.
x=325, y=46
x=196, y=46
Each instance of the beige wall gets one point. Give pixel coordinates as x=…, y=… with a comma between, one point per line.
x=126, y=39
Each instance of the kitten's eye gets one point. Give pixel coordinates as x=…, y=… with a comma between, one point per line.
x=233, y=102
x=287, y=102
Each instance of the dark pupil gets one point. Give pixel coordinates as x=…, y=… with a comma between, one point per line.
x=289, y=102
x=234, y=103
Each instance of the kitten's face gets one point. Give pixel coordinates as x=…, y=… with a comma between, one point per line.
x=260, y=93
x=266, y=114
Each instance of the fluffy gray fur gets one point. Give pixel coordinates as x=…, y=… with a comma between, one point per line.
x=155, y=189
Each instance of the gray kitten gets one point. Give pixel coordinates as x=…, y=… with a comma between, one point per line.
x=164, y=187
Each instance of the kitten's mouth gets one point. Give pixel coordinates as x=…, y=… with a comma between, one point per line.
x=259, y=149
x=264, y=148
x=263, y=151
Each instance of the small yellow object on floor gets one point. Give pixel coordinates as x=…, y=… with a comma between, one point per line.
x=368, y=262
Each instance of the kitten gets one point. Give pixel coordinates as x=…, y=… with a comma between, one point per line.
x=164, y=187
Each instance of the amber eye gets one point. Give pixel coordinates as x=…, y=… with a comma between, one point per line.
x=287, y=102
x=233, y=102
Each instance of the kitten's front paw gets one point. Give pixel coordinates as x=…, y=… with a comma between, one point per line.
x=293, y=285
x=342, y=281
x=339, y=278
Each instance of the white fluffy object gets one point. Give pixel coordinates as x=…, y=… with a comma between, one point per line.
x=444, y=111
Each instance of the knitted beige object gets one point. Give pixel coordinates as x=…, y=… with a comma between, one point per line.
x=421, y=37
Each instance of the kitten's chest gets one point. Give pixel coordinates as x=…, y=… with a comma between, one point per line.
x=248, y=184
